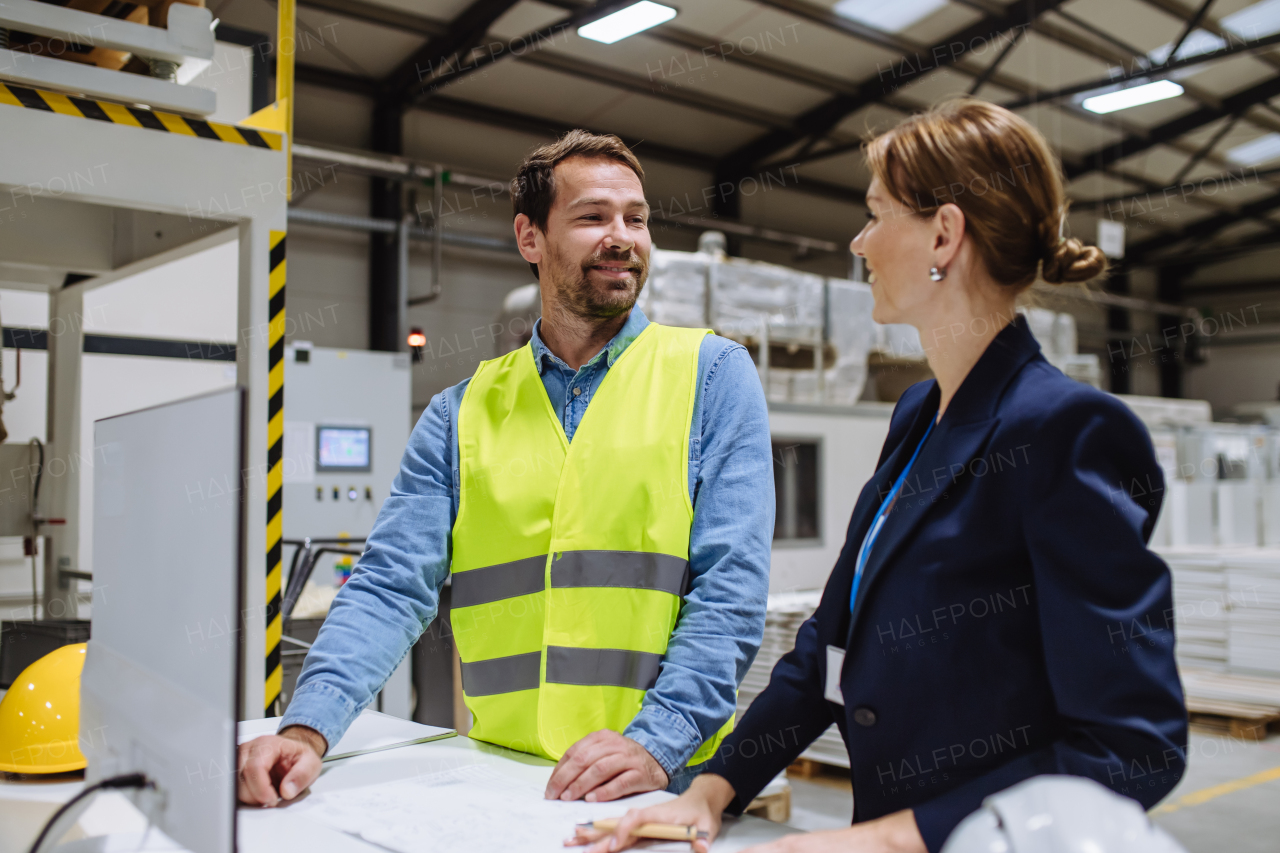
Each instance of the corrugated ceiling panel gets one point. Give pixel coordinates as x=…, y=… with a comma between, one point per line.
x=1070, y=134
x=1132, y=22
x=807, y=44
x=1050, y=65
x=848, y=169
x=369, y=50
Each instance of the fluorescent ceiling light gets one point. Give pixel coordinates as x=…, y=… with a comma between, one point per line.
x=1254, y=22
x=1132, y=97
x=891, y=17
x=636, y=18
x=1256, y=151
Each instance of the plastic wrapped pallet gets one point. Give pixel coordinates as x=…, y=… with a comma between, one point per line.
x=752, y=301
x=785, y=614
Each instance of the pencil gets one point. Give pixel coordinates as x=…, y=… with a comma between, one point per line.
x=663, y=831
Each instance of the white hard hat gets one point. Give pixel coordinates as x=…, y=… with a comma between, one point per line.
x=1059, y=814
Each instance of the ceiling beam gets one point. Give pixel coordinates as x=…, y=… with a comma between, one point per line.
x=1136, y=72
x=818, y=121
x=341, y=81
x=635, y=83
x=406, y=82
x=1168, y=131
x=376, y=13
x=648, y=86
x=709, y=48
x=1114, y=51
x=1263, y=241
x=1204, y=229
x=543, y=127
x=1230, y=288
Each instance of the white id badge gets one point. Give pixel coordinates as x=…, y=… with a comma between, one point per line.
x=835, y=662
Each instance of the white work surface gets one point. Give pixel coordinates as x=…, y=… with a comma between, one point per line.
x=476, y=797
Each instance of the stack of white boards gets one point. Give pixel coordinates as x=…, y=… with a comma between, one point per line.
x=1231, y=694
x=1200, y=607
x=786, y=613
x=1253, y=624
x=1226, y=604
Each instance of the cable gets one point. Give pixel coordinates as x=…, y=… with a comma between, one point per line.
x=35, y=496
x=128, y=780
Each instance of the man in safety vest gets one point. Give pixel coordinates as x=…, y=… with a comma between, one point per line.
x=603, y=498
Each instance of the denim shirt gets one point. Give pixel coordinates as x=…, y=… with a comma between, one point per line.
x=393, y=593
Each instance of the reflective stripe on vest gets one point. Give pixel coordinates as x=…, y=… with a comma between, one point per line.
x=634, y=570
x=570, y=560
x=590, y=667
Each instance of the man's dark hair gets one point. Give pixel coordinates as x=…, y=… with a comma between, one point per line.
x=533, y=188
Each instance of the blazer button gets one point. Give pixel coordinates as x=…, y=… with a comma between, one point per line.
x=864, y=716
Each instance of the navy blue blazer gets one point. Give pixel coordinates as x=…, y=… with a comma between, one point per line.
x=1011, y=621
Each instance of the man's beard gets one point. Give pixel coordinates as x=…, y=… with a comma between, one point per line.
x=600, y=300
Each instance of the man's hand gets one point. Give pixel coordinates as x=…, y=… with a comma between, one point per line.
x=276, y=767
x=604, y=766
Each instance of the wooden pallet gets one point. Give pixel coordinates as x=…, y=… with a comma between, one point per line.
x=1239, y=706
x=809, y=768
x=774, y=807
x=1240, y=728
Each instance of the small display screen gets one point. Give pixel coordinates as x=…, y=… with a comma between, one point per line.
x=343, y=448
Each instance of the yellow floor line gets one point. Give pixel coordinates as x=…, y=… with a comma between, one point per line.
x=1203, y=796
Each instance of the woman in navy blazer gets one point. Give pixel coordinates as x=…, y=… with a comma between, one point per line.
x=1009, y=619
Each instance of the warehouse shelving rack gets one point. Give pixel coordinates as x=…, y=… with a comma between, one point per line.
x=103, y=191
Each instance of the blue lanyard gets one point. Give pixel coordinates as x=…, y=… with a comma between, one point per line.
x=877, y=522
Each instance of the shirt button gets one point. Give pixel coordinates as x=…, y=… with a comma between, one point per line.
x=864, y=716
x=577, y=391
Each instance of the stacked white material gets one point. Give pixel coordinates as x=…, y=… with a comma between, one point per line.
x=898, y=341
x=1166, y=411
x=786, y=613
x=1056, y=333
x=1200, y=607
x=751, y=300
x=1231, y=694
x=1253, y=597
x=1270, y=486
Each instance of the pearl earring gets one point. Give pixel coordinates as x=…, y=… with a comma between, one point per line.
x=937, y=274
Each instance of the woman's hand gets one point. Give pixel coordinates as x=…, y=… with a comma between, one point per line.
x=700, y=806
x=895, y=833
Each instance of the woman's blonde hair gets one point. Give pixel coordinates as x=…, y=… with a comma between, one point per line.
x=1000, y=171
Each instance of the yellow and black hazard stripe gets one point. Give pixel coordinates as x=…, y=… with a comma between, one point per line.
x=68, y=105
x=275, y=470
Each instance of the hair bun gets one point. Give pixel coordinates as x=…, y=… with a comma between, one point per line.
x=1071, y=260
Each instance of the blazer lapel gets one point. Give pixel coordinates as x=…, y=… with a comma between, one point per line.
x=947, y=456
x=944, y=461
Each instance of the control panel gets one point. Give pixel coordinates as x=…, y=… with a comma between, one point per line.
x=348, y=414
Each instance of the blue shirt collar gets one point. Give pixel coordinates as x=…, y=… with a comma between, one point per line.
x=630, y=330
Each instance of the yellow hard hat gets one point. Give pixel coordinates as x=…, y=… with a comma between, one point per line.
x=40, y=715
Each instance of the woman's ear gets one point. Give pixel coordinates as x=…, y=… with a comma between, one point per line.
x=948, y=234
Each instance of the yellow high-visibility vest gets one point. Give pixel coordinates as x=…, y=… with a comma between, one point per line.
x=570, y=560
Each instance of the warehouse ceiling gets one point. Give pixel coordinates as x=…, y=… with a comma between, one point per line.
x=746, y=90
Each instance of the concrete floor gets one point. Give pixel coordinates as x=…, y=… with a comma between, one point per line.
x=1228, y=802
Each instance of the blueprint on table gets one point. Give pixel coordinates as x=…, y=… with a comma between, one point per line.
x=470, y=809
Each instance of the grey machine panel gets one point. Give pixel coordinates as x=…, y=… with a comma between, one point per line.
x=339, y=394
x=160, y=683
